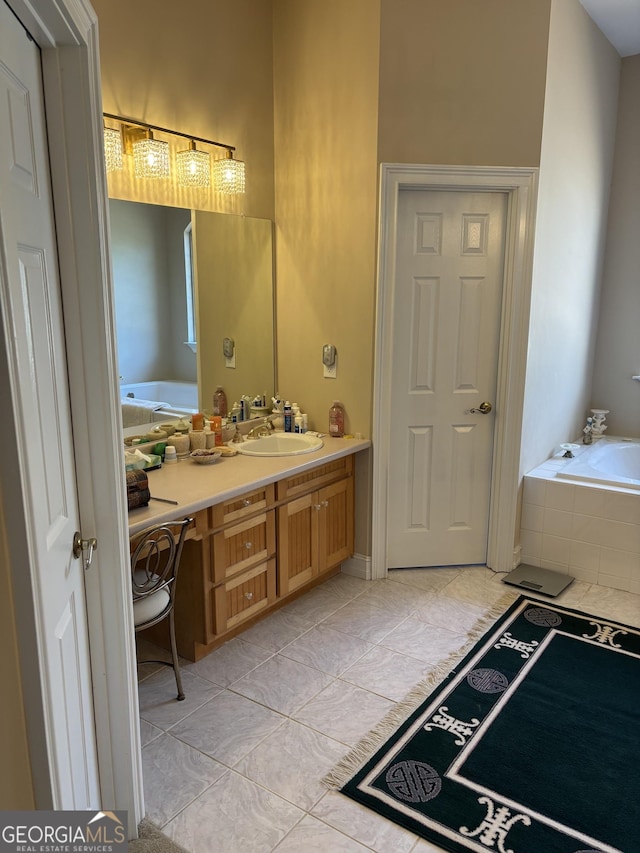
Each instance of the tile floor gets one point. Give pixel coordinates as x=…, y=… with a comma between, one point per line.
x=237, y=766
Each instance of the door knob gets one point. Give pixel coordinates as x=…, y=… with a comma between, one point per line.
x=84, y=548
x=483, y=409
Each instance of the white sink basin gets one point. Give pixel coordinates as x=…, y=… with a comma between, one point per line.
x=279, y=444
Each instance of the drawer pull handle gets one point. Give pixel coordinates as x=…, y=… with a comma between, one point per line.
x=317, y=506
x=248, y=545
x=248, y=596
x=325, y=503
x=246, y=502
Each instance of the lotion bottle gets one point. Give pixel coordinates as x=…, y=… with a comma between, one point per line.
x=336, y=420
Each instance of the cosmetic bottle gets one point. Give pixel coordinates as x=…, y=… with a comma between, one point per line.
x=288, y=417
x=220, y=402
x=336, y=420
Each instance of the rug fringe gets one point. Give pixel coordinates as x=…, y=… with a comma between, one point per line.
x=358, y=756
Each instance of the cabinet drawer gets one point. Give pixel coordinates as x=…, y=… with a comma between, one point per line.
x=244, y=596
x=241, y=507
x=242, y=545
x=308, y=481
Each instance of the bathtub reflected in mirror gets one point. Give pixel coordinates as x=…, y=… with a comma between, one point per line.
x=152, y=402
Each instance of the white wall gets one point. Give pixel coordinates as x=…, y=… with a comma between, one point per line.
x=618, y=343
x=575, y=169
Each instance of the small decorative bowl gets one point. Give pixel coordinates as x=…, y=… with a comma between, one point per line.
x=205, y=457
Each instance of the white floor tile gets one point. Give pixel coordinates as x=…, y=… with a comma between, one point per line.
x=327, y=650
x=148, y=732
x=344, y=712
x=277, y=630
x=365, y=619
x=158, y=703
x=174, y=774
x=230, y=662
x=292, y=762
x=387, y=673
x=282, y=684
x=313, y=836
x=429, y=643
x=429, y=580
x=365, y=826
x=228, y=727
x=234, y=815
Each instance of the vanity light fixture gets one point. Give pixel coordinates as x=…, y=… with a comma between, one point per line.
x=151, y=156
x=228, y=174
x=193, y=167
x=112, y=148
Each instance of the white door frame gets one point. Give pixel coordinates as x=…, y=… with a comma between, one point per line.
x=520, y=185
x=66, y=32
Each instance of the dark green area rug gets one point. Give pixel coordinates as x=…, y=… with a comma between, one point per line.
x=531, y=744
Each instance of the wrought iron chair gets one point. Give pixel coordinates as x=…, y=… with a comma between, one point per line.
x=155, y=560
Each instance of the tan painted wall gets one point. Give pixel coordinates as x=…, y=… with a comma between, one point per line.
x=617, y=353
x=16, y=789
x=205, y=69
x=234, y=295
x=462, y=82
x=326, y=87
x=326, y=91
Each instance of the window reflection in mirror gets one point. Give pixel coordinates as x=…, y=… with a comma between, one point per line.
x=233, y=297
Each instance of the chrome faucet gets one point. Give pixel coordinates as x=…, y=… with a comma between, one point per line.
x=261, y=430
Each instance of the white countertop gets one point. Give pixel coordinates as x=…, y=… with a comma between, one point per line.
x=195, y=486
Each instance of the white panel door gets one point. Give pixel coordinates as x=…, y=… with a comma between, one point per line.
x=446, y=332
x=34, y=331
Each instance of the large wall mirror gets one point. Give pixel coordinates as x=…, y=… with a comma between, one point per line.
x=171, y=266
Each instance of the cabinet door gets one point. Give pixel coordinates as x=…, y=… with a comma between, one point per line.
x=336, y=523
x=244, y=596
x=297, y=543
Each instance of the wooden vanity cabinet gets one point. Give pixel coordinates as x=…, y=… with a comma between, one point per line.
x=249, y=554
x=315, y=533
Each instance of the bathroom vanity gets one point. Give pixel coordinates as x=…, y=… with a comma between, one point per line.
x=265, y=530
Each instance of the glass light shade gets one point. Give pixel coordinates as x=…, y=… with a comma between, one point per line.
x=193, y=168
x=112, y=149
x=151, y=158
x=228, y=175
